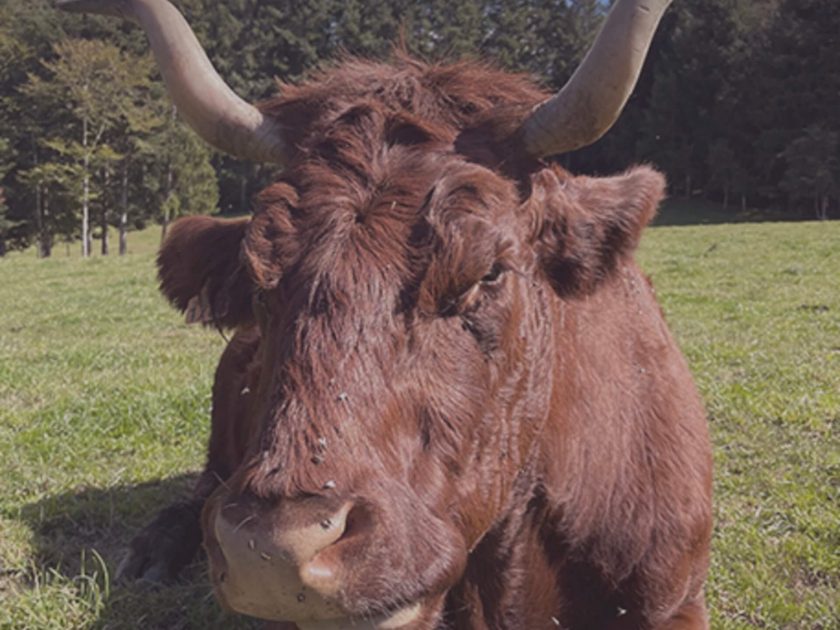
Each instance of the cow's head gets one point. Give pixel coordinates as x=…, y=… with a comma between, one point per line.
x=405, y=271
x=405, y=329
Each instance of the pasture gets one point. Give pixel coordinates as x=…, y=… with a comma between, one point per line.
x=104, y=396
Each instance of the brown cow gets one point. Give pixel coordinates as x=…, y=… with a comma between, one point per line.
x=451, y=400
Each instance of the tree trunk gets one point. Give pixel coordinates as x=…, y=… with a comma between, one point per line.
x=165, y=219
x=170, y=178
x=743, y=202
x=85, y=194
x=42, y=214
x=688, y=185
x=104, y=226
x=44, y=236
x=103, y=217
x=243, y=193
x=124, y=212
x=822, y=212
x=164, y=224
x=39, y=218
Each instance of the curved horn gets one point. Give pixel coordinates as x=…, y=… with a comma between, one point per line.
x=204, y=100
x=590, y=103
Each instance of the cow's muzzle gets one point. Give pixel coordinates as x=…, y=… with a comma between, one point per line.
x=279, y=564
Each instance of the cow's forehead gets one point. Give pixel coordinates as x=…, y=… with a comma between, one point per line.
x=382, y=212
x=370, y=188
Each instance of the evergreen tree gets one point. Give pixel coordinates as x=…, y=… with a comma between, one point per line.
x=92, y=81
x=179, y=176
x=813, y=169
x=683, y=119
x=726, y=172
x=796, y=91
x=130, y=140
x=24, y=29
x=56, y=187
x=6, y=224
x=446, y=30
x=727, y=104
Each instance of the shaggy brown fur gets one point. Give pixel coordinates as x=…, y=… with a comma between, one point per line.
x=457, y=340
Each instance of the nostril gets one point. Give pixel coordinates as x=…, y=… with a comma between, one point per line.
x=255, y=575
x=359, y=521
x=302, y=543
x=325, y=571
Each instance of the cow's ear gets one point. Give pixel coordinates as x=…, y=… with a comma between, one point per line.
x=584, y=225
x=201, y=273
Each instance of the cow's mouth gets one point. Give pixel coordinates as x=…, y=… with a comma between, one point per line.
x=253, y=576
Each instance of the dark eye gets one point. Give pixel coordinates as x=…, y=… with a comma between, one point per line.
x=493, y=275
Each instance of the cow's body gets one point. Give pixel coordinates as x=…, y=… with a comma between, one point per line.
x=451, y=400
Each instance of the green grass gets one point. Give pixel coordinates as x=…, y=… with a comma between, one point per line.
x=104, y=394
x=104, y=398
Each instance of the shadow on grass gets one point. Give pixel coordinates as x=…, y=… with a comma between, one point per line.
x=104, y=519
x=70, y=529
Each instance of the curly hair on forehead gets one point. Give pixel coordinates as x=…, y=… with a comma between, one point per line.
x=371, y=140
x=452, y=96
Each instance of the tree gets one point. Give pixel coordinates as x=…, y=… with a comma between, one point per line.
x=91, y=79
x=440, y=29
x=727, y=174
x=56, y=184
x=722, y=106
x=683, y=118
x=511, y=37
x=813, y=168
x=794, y=87
x=17, y=55
x=253, y=43
x=180, y=177
x=130, y=139
x=6, y=223
x=28, y=33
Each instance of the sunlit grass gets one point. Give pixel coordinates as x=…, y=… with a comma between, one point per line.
x=757, y=310
x=104, y=394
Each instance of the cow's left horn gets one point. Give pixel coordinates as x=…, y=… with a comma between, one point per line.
x=204, y=100
x=588, y=105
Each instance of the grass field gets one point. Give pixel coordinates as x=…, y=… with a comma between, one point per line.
x=104, y=395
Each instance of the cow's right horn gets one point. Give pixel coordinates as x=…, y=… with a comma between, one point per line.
x=588, y=105
x=203, y=99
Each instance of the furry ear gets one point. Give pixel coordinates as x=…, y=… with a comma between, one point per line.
x=201, y=274
x=585, y=225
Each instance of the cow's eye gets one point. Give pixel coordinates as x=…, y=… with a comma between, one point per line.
x=493, y=276
x=470, y=298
